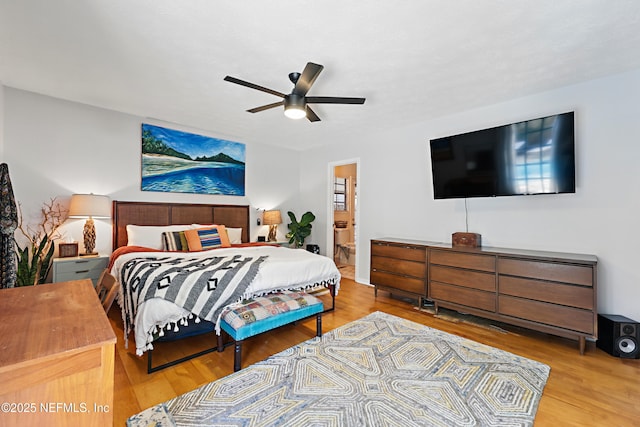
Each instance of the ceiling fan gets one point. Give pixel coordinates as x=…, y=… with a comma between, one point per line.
x=295, y=103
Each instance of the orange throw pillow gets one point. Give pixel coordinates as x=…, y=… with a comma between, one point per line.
x=207, y=238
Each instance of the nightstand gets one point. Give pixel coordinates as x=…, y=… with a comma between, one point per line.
x=76, y=268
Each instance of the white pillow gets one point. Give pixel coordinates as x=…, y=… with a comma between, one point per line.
x=235, y=234
x=150, y=236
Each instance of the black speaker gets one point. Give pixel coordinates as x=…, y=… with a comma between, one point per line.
x=619, y=336
x=313, y=249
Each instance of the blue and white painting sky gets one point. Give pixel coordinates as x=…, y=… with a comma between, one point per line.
x=196, y=145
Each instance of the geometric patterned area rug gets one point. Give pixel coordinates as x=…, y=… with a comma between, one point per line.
x=380, y=370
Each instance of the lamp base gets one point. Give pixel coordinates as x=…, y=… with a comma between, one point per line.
x=89, y=233
x=273, y=229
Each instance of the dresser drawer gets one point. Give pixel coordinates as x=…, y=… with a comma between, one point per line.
x=463, y=260
x=76, y=265
x=557, y=272
x=400, y=266
x=463, y=296
x=466, y=278
x=550, y=314
x=557, y=293
x=406, y=252
x=83, y=274
x=407, y=284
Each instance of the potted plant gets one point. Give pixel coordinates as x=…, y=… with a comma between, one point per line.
x=34, y=260
x=299, y=230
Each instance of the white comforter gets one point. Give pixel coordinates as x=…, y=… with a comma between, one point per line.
x=285, y=269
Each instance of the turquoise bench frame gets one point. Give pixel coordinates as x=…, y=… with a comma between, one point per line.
x=264, y=325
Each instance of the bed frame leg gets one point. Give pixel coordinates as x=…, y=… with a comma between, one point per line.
x=332, y=291
x=151, y=368
x=319, y=324
x=237, y=356
x=220, y=343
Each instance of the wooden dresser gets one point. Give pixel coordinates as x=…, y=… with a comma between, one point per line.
x=57, y=356
x=550, y=292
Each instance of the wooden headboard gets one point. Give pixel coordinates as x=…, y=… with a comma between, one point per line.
x=151, y=213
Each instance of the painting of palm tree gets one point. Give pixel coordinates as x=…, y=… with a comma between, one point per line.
x=182, y=162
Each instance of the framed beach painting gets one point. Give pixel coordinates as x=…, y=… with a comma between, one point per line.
x=181, y=162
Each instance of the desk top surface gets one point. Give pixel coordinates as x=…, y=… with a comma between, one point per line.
x=47, y=320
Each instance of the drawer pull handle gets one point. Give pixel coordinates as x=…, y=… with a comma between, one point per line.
x=82, y=271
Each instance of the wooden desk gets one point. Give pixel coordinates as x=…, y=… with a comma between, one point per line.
x=56, y=356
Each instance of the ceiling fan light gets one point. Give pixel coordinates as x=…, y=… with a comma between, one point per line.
x=295, y=112
x=294, y=107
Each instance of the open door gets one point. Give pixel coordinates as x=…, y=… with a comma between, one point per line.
x=344, y=202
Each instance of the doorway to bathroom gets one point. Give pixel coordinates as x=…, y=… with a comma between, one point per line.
x=344, y=191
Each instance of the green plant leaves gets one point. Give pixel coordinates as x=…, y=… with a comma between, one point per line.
x=46, y=263
x=307, y=219
x=33, y=263
x=299, y=230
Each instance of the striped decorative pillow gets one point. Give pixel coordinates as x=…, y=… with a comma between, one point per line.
x=207, y=238
x=174, y=241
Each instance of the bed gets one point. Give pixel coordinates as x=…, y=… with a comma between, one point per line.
x=141, y=262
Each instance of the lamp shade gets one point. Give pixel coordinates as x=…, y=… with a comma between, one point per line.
x=272, y=217
x=89, y=206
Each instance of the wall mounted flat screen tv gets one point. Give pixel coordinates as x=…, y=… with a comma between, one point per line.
x=531, y=157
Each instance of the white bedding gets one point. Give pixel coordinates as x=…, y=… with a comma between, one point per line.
x=285, y=269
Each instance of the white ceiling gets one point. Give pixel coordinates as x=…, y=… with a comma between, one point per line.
x=412, y=60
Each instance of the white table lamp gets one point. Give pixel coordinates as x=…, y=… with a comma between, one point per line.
x=89, y=206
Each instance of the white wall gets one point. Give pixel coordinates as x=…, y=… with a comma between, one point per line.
x=55, y=148
x=396, y=197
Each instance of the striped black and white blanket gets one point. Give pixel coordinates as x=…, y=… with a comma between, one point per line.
x=202, y=286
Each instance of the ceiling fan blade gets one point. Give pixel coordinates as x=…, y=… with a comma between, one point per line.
x=266, y=107
x=333, y=100
x=307, y=78
x=311, y=115
x=253, y=86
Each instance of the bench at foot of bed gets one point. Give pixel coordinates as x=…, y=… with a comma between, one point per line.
x=261, y=314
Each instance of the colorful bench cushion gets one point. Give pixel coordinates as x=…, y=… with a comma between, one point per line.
x=261, y=314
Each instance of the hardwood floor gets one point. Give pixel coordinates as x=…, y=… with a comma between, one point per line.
x=591, y=390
